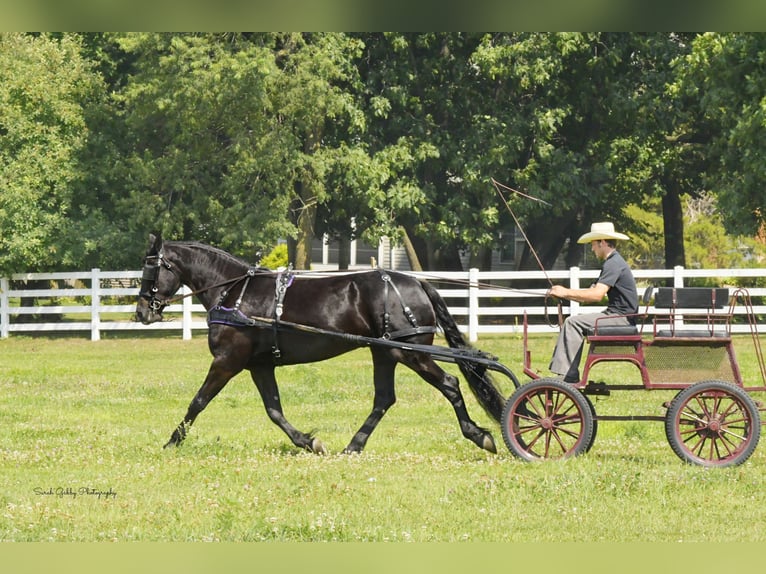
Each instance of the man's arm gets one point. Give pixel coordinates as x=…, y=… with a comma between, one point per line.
x=593, y=294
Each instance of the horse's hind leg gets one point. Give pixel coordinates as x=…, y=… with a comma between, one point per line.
x=266, y=383
x=448, y=385
x=385, y=397
x=217, y=377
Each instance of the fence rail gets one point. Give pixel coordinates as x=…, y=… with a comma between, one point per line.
x=483, y=303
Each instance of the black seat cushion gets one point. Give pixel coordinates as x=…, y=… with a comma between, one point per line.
x=613, y=331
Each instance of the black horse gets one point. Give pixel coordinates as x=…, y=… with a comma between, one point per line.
x=371, y=303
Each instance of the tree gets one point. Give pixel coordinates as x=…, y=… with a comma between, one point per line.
x=45, y=88
x=724, y=78
x=200, y=157
x=602, y=133
x=314, y=96
x=568, y=103
x=427, y=99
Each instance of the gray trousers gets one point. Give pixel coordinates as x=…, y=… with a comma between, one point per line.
x=568, y=351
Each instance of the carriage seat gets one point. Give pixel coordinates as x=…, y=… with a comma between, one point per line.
x=696, y=306
x=691, y=333
x=691, y=298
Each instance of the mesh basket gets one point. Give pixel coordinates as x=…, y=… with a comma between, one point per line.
x=668, y=363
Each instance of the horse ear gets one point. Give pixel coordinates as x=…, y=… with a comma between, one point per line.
x=155, y=243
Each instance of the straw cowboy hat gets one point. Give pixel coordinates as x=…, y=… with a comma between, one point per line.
x=602, y=230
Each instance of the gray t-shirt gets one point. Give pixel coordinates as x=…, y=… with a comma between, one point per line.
x=622, y=295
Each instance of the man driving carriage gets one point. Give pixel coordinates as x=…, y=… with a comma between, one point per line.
x=616, y=282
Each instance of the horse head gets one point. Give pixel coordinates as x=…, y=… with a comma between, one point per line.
x=159, y=282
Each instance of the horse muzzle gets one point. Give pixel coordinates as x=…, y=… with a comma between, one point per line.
x=148, y=314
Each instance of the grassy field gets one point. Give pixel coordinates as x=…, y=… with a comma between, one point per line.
x=83, y=424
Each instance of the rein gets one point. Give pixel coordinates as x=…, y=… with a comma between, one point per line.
x=215, y=286
x=151, y=271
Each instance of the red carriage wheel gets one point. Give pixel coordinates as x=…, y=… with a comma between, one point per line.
x=548, y=418
x=713, y=424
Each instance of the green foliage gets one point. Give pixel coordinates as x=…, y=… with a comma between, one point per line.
x=643, y=250
x=198, y=165
x=243, y=140
x=276, y=258
x=707, y=244
x=45, y=88
x=723, y=77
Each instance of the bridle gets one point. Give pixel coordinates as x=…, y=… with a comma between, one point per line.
x=149, y=276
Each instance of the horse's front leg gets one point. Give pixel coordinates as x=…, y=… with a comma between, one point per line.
x=266, y=383
x=218, y=375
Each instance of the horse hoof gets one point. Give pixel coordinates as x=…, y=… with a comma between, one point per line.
x=318, y=447
x=489, y=444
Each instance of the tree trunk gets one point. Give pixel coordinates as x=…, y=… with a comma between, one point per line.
x=444, y=257
x=481, y=258
x=673, y=227
x=412, y=255
x=306, y=218
x=344, y=253
x=307, y=211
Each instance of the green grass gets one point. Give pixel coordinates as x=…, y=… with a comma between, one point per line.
x=83, y=424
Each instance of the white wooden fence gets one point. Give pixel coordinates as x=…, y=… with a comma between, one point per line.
x=482, y=302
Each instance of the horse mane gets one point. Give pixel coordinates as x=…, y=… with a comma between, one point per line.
x=220, y=253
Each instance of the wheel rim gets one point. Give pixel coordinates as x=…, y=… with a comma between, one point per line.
x=714, y=427
x=546, y=423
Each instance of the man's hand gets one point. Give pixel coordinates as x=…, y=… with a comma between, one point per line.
x=558, y=291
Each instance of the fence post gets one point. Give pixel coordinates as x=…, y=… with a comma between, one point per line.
x=678, y=276
x=95, y=304
x=187, y=314
x=574, y=283
x=5, y=316
x=678, y=282
x=473, y=304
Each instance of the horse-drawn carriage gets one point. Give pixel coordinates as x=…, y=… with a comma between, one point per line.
x=687, y=345
x=260, y=319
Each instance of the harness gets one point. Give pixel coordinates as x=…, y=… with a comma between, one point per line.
x=284, y=280
x=232, y=316
x=151, y=272
x=225, y=293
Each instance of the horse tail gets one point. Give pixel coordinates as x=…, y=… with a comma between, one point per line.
x=480, y=381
